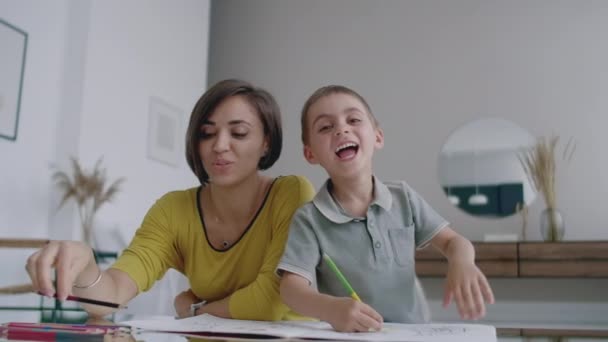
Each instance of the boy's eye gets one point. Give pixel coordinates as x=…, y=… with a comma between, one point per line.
x=355, y=120
x=324, y=128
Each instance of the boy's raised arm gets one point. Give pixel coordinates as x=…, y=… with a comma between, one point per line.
x=465, y=283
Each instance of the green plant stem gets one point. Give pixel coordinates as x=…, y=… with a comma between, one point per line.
x=86, y=222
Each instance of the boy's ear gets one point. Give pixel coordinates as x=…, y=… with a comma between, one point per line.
x=379, y=138
x=310, y=157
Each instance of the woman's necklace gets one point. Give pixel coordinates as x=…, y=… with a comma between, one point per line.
x=225, y=242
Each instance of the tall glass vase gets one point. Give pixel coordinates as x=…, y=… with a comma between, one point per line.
x=552, y=225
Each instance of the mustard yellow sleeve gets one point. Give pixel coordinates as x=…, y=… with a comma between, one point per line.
x=260, y=300
x=152, y=251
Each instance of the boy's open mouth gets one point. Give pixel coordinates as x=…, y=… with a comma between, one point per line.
x=347, y=150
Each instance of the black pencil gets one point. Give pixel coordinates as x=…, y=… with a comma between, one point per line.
x=90, y=301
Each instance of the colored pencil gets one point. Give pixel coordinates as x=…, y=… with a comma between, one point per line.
x=67, y=327
x=341, y=277
x=90, y=301
x=52, y=327
x=36, y=334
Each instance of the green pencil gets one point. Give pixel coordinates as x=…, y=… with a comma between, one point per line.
x=340, y=276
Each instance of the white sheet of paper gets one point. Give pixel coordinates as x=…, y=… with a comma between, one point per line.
x=321, y=330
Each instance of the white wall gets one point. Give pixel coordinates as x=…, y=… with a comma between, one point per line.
x=139, y=49
x=91, y=68
x=429, y=66
x=24, y=181
x=99, y=62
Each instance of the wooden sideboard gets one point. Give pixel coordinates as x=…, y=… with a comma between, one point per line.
x=568, y=259
x=550, y=332
x=23, y=243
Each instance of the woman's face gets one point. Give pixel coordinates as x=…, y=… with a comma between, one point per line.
x=232, y=142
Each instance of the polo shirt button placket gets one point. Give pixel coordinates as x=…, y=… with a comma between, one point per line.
x=377, y=244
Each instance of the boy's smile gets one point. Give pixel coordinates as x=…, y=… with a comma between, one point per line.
x=347, y=150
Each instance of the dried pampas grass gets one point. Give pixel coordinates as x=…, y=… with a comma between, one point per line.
x=539, y=163
x=90, y=190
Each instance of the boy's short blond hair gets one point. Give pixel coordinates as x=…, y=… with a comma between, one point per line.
x=326, y=91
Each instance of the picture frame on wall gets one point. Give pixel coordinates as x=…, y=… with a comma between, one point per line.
x=165, y=137
x=13, y=49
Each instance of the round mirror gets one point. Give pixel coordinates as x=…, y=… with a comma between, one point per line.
x=480, y=171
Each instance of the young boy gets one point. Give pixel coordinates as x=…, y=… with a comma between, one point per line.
x=369, y=228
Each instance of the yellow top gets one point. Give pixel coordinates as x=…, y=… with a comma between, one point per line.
x=172, y=236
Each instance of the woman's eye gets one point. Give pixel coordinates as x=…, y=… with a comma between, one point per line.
x=239, y=135
x=205, y=135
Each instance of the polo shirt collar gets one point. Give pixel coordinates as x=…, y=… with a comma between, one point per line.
x=326, y=204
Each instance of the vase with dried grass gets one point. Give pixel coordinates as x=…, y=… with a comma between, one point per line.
x=89, y=189
x=539, y=162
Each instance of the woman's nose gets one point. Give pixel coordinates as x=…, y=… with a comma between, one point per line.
x=222, y=143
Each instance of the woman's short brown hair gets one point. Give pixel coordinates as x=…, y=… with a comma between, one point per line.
x=261, y=100
x=326, y=91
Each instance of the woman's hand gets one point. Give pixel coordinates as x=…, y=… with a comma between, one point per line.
x=74, y=264
x=469, y=287
x=182, y=303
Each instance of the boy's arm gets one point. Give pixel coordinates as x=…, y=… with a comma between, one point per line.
x=343, y=313
x=454, y=246
x=465, y=283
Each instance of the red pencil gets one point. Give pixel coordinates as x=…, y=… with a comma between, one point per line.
x=27, y=334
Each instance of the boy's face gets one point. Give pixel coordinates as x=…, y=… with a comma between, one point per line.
x=342, y=137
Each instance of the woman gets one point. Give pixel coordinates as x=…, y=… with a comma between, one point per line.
x=226, y=236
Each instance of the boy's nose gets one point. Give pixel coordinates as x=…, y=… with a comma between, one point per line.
x=341, y=130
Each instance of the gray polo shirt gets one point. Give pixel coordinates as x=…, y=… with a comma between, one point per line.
x=375, y=253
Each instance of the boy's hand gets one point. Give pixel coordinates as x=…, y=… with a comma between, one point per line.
x=348, y=315
x=343, y=313
x=467, y=285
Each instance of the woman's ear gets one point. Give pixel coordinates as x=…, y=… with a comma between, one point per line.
x=266, y=147
x=310, y=157
x=379, y=138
